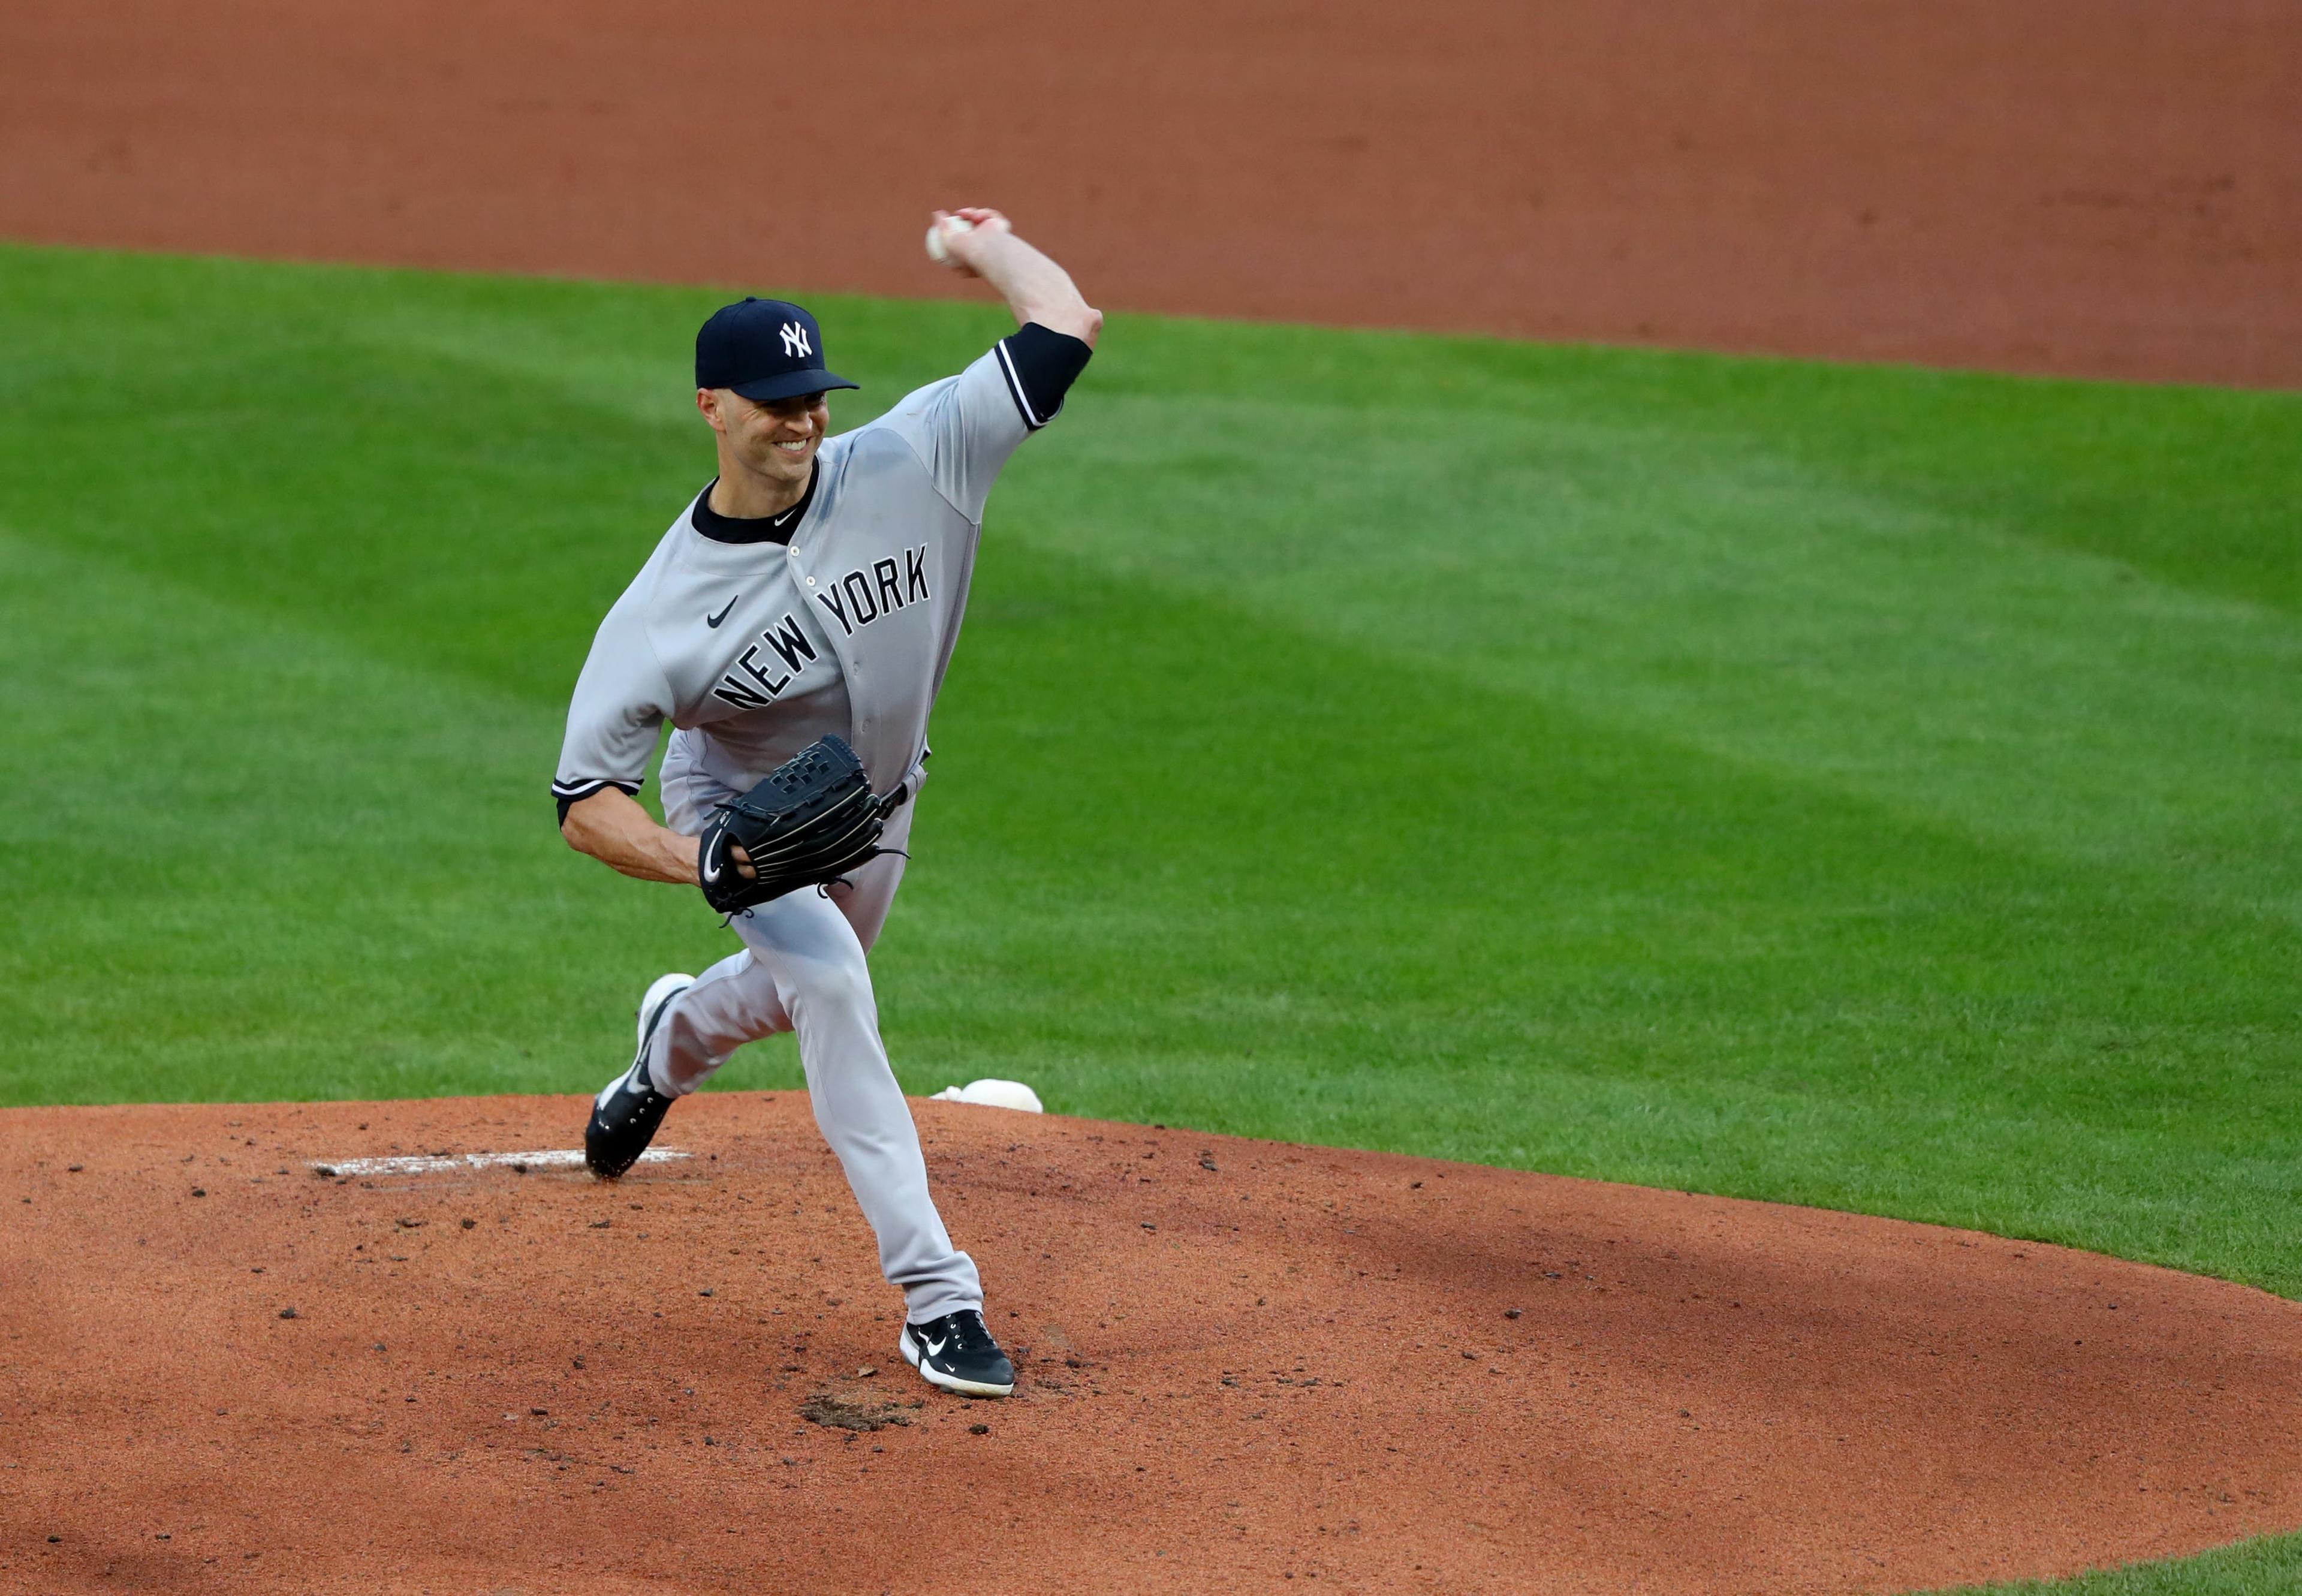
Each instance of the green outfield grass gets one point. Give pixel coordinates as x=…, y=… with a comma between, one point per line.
x=1862, y=787
x=2270, y=1566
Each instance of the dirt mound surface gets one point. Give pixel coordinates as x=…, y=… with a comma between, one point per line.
x=2103, y=187
x=1242, y=1362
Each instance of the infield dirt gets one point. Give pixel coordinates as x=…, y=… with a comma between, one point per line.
x=1241, y=1362
x=2110, y=187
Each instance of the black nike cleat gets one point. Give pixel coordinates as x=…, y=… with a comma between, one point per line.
x=957, y=1353
x=628, y=1109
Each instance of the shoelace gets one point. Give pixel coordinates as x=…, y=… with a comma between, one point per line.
x=970, y=1333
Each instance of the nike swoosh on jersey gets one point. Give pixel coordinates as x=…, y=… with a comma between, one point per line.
x=713, y=620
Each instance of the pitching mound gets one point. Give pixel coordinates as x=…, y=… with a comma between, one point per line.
x=1243, y=1363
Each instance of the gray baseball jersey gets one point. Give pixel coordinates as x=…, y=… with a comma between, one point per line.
x=754, y=649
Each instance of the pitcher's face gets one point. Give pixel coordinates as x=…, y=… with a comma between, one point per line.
x=777, y=440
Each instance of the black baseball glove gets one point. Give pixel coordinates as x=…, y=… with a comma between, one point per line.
x=813, y=819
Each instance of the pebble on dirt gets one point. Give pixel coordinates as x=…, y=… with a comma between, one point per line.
x=288, y=1312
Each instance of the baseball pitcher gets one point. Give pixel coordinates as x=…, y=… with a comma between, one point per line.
x=794, y=626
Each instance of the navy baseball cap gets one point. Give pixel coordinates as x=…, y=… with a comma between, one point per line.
x=764, y=349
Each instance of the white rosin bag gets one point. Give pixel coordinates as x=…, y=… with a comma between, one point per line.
x=993, y=1094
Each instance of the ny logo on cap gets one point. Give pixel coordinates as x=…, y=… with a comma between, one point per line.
x=795, y=342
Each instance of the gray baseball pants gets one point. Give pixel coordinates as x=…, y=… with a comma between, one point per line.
x=803, y=968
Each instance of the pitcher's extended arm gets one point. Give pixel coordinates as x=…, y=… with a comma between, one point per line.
x=1035, y=289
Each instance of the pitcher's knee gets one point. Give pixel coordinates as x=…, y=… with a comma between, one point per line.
x=828, y=986
x=735, y=1002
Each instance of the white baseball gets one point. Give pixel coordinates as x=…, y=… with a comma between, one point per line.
x=936, y=251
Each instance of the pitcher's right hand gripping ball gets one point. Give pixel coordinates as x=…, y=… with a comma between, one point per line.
x=811, y=822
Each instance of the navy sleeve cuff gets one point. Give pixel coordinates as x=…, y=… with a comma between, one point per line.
x=1040, y=365
x=569, y=793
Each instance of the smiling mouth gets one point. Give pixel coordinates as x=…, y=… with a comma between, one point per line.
x=799, y=447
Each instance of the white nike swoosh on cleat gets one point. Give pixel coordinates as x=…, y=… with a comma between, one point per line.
x=935, y=1348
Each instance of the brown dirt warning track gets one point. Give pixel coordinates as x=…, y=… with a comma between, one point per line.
x=2102, y=187
x=1246, y=1366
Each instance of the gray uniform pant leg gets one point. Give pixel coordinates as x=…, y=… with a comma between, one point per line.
x=803, y=968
